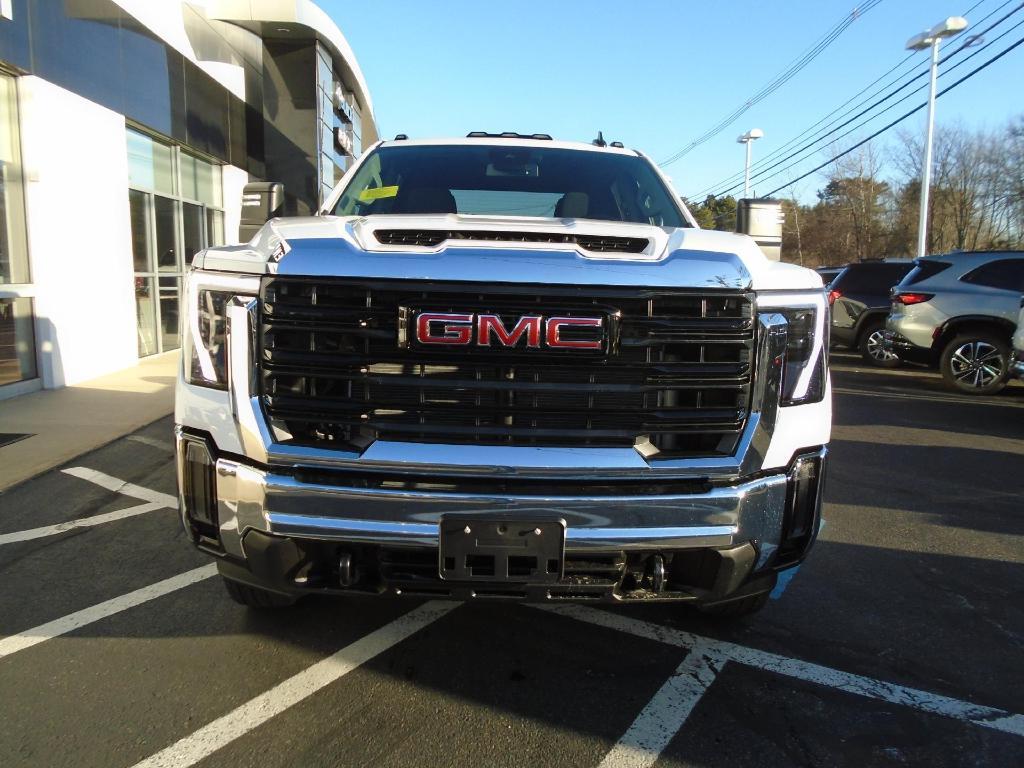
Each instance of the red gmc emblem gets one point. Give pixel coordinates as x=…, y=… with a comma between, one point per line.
x=456, y=329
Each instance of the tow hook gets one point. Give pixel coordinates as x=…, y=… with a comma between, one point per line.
x=347, y=574
x=655, y=575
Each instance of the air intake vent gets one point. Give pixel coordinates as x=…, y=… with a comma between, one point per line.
x=432, y=237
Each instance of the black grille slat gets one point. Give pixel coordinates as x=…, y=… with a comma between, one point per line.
x=430, y=238
x=332, y=372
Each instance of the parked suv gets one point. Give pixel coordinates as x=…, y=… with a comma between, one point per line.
x=828, y=274
x=859, y=296
x=959, y=310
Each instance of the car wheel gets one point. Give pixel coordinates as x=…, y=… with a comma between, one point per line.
x=976, y=363
x=736, y=609
x=872, y=349
x=254, y=597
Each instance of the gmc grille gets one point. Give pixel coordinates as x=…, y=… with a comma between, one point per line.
x=332, y=374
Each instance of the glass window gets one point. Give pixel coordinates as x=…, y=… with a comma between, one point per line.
x=166, y=247
x=325, y=77
x=167, y=232
x=17, y=344
x=871, y=278
x=192, y=221
x=13, y=244
x=585, y=184
x=923, y=270
x=357, y=130
x=145, y=309
x=140, y=230
x=200, y=180
x=326, y=138
x=327, y=170
x=214, y=227
x=1007, y=274
x=170, y=299
x=206, y=112
x=150, y=164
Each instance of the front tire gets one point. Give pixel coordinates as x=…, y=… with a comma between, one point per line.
x=254, y=597
x=871, y=348
x=976, y=363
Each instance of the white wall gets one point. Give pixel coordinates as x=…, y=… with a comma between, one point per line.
x=79, y=233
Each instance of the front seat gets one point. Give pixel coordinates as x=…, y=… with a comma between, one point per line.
x=572, y=205
x=426, y=200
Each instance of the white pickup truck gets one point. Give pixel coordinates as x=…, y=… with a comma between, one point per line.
x=502, y=367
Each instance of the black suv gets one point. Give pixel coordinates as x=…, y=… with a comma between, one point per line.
x=859, y=296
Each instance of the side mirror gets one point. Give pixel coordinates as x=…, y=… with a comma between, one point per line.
x=261, y=201
x=762, y=219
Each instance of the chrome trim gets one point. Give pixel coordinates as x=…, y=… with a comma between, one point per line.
x=256, y=435
x=253, y=431
x=253, y=498
x=426, y=534
x=692, y=268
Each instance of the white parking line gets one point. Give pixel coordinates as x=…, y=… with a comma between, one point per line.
x=81, y=522
x=73, y=621
x=988, y=717
x=154, y=500
x=152, y=442
x=883, y=393
x=222, y=731
x=121, y=486
x=665, y=714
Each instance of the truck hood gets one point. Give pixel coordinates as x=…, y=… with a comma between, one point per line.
x=491, y=249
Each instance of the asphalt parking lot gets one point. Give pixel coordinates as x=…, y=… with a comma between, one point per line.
x=899, y=642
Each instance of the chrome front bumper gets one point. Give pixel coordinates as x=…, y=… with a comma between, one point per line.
x=249, y=498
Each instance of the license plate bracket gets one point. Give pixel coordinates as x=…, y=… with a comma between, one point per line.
x=494, y=548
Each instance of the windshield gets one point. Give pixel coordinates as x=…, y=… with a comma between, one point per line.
x=509, y=181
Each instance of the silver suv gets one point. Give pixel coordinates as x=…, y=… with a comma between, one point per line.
x=959, y=310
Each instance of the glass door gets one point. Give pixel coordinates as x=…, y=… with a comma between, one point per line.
x=17, y=339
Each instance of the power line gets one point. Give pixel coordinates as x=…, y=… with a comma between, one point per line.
x=764, y=174
x=759, y=168
x=731, y=180
x=901, y=118
x=778, y=81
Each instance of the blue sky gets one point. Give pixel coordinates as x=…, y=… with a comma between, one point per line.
x=656, y=74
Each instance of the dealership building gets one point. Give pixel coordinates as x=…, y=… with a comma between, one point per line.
x=127, y=131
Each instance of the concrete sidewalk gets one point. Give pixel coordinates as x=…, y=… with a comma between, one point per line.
x=65, y=423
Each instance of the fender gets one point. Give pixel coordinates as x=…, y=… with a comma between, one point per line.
x=949, y=328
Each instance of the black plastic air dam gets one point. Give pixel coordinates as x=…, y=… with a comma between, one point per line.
x=198, y=492
x=299, y=567
x=803, y=508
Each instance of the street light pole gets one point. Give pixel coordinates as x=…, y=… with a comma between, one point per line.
x=746, y=171
x=748, y=139
x=931, y=39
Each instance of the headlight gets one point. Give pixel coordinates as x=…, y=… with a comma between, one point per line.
x=805, y=365
x=206, y=333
